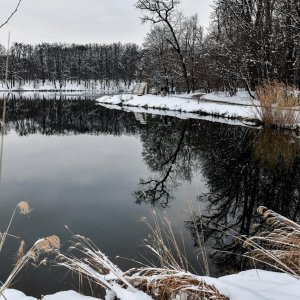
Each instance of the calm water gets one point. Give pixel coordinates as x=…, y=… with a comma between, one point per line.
x=99, y=171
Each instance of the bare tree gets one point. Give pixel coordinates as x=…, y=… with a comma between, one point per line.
x=164, y=11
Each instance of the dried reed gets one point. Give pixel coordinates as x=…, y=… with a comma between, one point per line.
x=171, y=284
x=24, y=210
x=171, y=280
x=47, y=245
x=94, y=265
x=278, y=246
x=278, y=105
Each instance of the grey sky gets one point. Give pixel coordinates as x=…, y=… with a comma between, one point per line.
x=83, y=21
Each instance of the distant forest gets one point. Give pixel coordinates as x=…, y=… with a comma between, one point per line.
x=81, y=64
x=247, y=43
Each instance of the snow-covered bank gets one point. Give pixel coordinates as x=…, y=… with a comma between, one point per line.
x=181, y=104
x=249, y=285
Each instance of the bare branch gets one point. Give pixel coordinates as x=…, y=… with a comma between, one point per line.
x=12, y=14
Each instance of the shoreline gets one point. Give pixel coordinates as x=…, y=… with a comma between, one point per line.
x=235, y=108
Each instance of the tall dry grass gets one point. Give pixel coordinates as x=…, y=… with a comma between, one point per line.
x=170, y=279
x=279, y=105
x=172, y=285
x=278, y=245
x=24, y=257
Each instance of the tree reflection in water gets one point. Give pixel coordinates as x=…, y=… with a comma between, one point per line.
x=243, y=171
x=243, y=168
x=165, y=154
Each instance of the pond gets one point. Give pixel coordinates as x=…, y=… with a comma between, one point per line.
x=100, y=170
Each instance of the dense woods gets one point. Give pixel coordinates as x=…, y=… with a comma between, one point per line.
x=247, y=43
x=81, y=64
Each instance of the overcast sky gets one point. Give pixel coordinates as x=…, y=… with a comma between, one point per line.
x=83, y=21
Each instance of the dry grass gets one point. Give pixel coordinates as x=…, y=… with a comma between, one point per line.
x=278, y=105
x=278, y=246
x=24, y=208
x=161, y=241
x=170, y=280
x=164, y=284
x=33, y=254
x=89, y=262
x=42, y=246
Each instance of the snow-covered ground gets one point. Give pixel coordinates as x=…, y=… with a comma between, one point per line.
x=241, y=98
x=249, y=285
x=92, y=86
x=258, y=285
x=175, y=103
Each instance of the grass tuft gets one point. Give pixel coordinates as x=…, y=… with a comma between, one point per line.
x=170, y=284
x=278, y=105
x=170, y=280
x=278, y=245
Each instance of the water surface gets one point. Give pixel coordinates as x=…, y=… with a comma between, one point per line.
x=100, y=170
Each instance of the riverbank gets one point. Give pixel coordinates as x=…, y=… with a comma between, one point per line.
x=240, y=107
x=248, y=285
x=184, y=103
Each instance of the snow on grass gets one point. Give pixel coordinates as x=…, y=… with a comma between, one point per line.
x=248, y=285
x=180, y=104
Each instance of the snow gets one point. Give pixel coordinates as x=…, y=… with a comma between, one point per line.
x=260, y=285
x=180, y=104
x=93, y=86
x=69, y=295
x=248, y=285
x=240, y=98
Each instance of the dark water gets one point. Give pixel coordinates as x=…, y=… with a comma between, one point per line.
x=99, y=171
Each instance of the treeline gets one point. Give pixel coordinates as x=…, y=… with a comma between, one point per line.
x=248, y=42
x=60, y=63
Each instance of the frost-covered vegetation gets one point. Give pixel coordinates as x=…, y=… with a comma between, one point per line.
x=277, y=247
